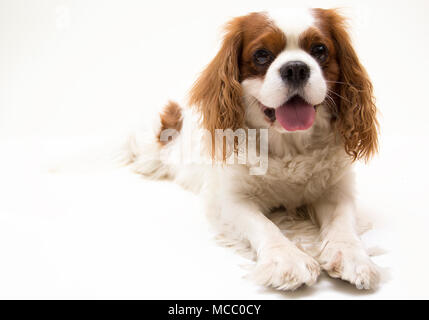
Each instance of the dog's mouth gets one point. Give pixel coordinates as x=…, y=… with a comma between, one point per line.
x=295, y=114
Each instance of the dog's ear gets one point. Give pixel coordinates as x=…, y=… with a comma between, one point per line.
x=217, y=93
x=355, y=108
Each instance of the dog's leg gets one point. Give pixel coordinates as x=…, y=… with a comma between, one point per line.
x=342, y=253
x=280, y=264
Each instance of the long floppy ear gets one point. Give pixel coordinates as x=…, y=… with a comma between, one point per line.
x=356, y=112
x=217, y=93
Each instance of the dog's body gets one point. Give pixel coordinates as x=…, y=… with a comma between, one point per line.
x=309, y=160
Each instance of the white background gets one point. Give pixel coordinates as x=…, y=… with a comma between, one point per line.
x=76, y=75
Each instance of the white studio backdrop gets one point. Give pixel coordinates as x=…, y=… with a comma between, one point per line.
x=75, y=75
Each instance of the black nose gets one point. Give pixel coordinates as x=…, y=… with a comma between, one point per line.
x=295, y=73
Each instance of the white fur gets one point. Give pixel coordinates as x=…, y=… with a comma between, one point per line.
x=293, y=22
x=306, y=168
x=303, y=170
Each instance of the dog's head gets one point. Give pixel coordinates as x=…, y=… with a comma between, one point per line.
x=289, y=63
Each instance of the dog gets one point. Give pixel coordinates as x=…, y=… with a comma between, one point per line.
x=289, y=87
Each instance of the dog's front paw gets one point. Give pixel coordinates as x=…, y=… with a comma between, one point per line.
x=349, y=261
x=285, y=268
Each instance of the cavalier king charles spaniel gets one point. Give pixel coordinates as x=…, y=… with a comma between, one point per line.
x=277, y=118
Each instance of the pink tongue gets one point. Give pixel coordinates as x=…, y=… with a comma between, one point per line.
x=296, y=114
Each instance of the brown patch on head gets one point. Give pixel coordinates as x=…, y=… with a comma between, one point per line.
x=217, y=94
x=259, y=33
x=319, y=36
x=354, y=108
x=171, y=119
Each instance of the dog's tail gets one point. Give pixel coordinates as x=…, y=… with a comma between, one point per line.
x=142, y=151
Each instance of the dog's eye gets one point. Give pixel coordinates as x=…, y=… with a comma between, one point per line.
x=320, y=52
x=262, y=57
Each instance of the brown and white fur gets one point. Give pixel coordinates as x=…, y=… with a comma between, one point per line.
x=309, y=169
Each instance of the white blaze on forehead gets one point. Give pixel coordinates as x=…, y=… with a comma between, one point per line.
x=293, y=22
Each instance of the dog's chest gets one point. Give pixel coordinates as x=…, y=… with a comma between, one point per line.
x=295, y=180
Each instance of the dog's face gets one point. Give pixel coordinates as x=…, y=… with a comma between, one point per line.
x=276, y=69
x=285, y=65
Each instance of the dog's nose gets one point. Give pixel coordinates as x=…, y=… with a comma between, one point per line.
x=295, y=73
